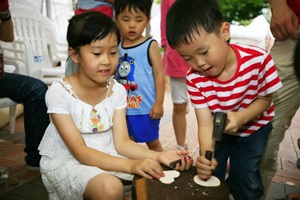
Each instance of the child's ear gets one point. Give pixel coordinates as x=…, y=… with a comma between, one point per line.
x=73, y=55
x=225, y=31
x=149, y=19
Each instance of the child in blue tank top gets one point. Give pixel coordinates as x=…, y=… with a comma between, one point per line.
x=140, y=71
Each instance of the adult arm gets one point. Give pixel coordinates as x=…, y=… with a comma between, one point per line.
x=284, y=22
x=6, y=25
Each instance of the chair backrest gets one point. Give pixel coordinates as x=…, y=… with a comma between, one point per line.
x=17, y=53
x=38, y=32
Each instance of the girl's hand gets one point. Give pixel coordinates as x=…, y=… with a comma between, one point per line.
x=171, y=155
x=147, y=168
x=205, y=167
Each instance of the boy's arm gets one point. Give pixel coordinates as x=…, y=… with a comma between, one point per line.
x=159, y=77
x=256, y=108
x=205, y=130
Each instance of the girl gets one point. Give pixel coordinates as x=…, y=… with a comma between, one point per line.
x=83, y=147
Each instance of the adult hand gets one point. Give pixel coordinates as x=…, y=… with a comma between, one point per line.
x=284, y=22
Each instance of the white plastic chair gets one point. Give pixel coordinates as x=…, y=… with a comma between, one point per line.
x=7, y=102
x=42, y=46
x=15, y=54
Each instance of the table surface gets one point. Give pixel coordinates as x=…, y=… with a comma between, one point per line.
x=183, y=187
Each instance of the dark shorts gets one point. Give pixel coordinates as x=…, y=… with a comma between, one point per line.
x=142, y=128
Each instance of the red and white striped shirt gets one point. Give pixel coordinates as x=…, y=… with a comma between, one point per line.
x=255, y=76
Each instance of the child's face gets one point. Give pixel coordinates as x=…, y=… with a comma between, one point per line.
x=99, y=59
x=207, y=53
x=132, y=23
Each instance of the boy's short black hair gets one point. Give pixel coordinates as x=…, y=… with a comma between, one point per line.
x=143, y=5
x=185, y=17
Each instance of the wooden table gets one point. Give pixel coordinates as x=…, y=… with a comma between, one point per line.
x=183, y=188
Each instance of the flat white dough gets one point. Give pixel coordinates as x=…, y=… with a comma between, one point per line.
x=172, y=173
x=169, y=177
x=211, y=182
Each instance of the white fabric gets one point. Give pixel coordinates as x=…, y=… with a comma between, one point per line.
x=179, y=90
x=63, y=176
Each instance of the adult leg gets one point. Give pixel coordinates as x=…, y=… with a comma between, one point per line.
x=286, y=101
x=31, y=92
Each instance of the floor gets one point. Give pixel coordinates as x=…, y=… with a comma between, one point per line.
x=23, y=184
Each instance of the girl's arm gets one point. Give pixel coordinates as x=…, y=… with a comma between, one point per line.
x=147, y=168
x=124, y=145
x=257, y=107
x=159, y=77
x=73, y=139
x=144, y=163
x=133, y=150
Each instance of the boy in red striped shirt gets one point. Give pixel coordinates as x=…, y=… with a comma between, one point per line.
x=236, y=79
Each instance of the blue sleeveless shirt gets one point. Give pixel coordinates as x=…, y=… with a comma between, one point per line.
x=135, y=73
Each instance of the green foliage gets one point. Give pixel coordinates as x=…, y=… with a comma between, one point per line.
x=242, y=11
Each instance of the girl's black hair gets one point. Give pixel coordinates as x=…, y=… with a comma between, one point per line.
x=88, y=27
x=185, y=17
x=143, y=5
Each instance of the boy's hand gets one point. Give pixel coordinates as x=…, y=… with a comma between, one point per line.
x=234, y=122
x=205, y=167
x=156, y=111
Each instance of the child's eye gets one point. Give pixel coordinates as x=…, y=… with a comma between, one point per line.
x=114, y=52
x=187, y=58
x=205, y=52
x=96, y=54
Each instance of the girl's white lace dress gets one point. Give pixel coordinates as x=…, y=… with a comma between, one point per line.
x=63, y=176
